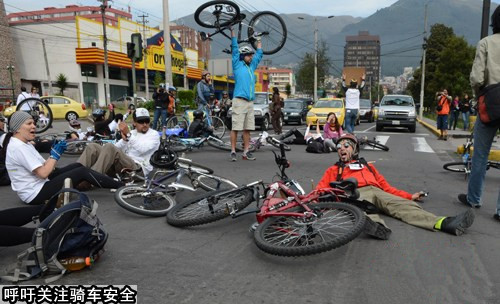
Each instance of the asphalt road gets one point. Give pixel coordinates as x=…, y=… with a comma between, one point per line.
x=219, y=262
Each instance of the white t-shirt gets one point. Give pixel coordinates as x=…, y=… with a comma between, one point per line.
x=21, y=160
x=352, y=99
x=22, y=97
x=140, y=147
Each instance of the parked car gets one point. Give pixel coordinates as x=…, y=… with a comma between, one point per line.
x=61, y=106
x=309, y=101
x=295, y=110
x=261, y=110
x=324, y=106
x=126, y=100
x=396, y=111
x=366, y=110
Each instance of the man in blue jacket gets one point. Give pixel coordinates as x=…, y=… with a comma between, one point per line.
x=245, y=61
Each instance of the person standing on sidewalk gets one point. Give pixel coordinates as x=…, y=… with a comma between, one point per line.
x=161, y=101
x=352, y=95
x=465, y=110
x=443, y=109
x=245, y=60
x=275, y=109
x=485, y=71
x=204, y=89
x=454, y=113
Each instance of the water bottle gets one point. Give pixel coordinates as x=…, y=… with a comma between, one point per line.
x=76, y=263
x=465, y=157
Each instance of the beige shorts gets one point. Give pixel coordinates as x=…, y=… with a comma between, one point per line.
x=242, y=117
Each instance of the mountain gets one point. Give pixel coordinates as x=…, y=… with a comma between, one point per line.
x=400, y=27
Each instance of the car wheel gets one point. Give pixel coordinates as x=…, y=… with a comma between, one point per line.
x=378, y=127
x=265, y=124
x=412, y=129
x=71, y=116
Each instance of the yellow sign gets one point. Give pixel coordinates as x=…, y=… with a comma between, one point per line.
x=156, y=59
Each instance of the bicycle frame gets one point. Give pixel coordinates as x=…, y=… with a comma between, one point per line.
x=220, y=30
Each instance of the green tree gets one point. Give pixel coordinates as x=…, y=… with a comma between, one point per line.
x=158, y=79
x=62, y=83
x=305, y=73
x=288, y=89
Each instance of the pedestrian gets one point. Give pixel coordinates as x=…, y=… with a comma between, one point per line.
x=275, y=110
x=34, y=92
x=465, y=109
x=485, y=72
x=161, y=102
x=172, y=92
x=374, y=188
x=204, y=89
x=443, y=109
x=225, y=104
x=22, y=96
x=245, y=60
x=454, y=113
x=352, y=95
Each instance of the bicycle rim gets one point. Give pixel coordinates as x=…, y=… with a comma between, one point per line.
x=274, y=30
x=39, y=110
x=215, y=14
x=336, y=225
x=177, y=122
x=454, y=167
x=222, y=145
x=219, y=126
x=140, y=200
x=75, y=147
x=212, y=183
x=377, y=145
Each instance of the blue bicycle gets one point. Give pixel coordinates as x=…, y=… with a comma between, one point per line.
x=183, y=121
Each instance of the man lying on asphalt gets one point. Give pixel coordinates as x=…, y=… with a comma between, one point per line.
x=391, y=201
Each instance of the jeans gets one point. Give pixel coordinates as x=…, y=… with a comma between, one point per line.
x=158, y=112
x=204, y=108
x=453, y=120
x=465, y=118
x=483, y=138
x=350, y=119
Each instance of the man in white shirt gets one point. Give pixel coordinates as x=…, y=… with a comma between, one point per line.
x=133, y=151
x=352, y=95
x=23, y=95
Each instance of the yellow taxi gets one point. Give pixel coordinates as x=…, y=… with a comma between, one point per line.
x=324, y=106
x=61, y=106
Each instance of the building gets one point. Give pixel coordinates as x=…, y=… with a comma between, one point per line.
x=280, y=78
x=363, y=50
x=10, y=84
x=190, y=38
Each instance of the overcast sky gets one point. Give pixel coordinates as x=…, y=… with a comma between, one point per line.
x=181, y=8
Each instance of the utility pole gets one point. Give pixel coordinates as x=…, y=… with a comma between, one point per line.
x=166, y=44
x=145, y=53
x=486, y=18
x=47, y=66
x=107, y=93
x=11, y=68
x=184, y=42
x=422, y=81
x=315, y=59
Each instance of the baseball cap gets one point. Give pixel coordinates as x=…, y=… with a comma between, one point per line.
x=141, y=113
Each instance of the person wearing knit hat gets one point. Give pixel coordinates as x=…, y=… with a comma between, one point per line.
x=33, y=178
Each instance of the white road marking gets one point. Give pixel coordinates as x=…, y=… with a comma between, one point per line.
x=421, y=145
x=366, y=129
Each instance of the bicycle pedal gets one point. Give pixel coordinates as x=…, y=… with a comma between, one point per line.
x=253, y=227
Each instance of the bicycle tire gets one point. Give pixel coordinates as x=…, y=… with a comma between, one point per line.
x=233, y=12
x=285, y=235
x=226, y=146
x=219, y=126
x=189, y=164
x=376, y=145
x=177, y=122
x=155, y=205
x=196, y=211
x=493, y=164
x=455, y=166
x=75, y=147
x=35, y=107
x=212, y=183
x=274, y=25
x=276, y=143
x=176, y=145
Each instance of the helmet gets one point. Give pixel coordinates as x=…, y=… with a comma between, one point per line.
x=224, y=93
x=352, y=138
x=246, y=50
x=164, y=158
x=98, y=113
x=198, y=114
x=161, y=86
x=172, y=89
x=74, y=123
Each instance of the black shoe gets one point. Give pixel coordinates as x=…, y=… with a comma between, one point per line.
x=457, y=225
x=463, y=199
x=376, y=230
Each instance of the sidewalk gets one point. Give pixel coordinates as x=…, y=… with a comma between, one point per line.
x=431, y=125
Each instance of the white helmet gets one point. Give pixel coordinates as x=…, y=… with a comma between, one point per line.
x=246, y=50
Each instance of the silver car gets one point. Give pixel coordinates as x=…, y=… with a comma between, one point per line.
x=396, y=111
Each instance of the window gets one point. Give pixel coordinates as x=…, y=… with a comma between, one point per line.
x=89, y=70
x=58, y=100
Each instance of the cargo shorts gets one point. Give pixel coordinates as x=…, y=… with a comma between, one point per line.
x=242, y=117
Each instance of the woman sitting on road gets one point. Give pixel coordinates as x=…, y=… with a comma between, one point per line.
x=35, y=179
x=332, y=131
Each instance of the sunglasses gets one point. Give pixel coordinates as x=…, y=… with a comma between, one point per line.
x=143, y=121
x=345, y=144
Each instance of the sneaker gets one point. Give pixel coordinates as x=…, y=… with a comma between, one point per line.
x=376, y=230
x=462, y=198
x=248, y=156
x=233, y=156
x=457, y=225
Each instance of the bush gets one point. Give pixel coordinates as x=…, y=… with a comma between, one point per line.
x=186, y=98
x=149, y=105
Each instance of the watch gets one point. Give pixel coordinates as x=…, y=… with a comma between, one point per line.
x=128, y=136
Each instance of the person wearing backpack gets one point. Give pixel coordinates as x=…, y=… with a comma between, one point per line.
x=35, y=179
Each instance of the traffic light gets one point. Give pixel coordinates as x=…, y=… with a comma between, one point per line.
x=130, y=50
x=137, y=42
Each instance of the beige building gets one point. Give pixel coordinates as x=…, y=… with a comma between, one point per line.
x=280, y=78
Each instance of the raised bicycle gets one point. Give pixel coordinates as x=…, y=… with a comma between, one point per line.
x=39, y=110
x=266, y=25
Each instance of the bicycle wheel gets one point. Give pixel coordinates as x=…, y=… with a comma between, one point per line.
x=226, y=146
x=219, y=126
x=272, y=29
x=376, y=145
x=493, y=164
x=76, y=147
x=216, y=14
x=39, y=110
x=189, y=164
x=199, y=211
x=336, y=224
x=176, y=145
x=177, y=122
x=454, y=167
x=143, y=201
x=276, y=143
x=212, y=183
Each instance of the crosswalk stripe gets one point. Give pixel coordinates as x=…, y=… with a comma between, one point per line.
x=421, y=145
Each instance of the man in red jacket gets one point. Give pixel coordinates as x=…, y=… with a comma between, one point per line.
x=391, y=201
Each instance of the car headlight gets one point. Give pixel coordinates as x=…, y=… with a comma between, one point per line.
x=380, y=112
x=411, y=113
x=258, y=112
x=311, y=114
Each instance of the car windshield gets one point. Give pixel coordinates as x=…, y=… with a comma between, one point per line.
x=397, y=101
x=260, y=99
x=293, y=105
x=328, y=104
x=365, y=103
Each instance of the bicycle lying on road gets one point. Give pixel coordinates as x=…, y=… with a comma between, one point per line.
x=183, y=122
x=374, y=143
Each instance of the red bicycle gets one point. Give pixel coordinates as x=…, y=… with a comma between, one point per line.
x=290, y=222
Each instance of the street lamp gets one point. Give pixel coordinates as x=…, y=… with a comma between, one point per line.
x=316, y=54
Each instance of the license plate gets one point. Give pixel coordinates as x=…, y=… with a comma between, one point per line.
x=322, y=120
x=395, y=122
x=286, y=117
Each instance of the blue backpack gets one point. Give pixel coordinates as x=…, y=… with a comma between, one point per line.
x=73, y=230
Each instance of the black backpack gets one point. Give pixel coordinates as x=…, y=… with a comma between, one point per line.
x=71, y=231
x=315, y=147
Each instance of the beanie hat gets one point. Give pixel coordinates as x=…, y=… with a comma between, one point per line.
x=17, y=119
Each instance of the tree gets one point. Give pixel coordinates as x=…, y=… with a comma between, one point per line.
x=288, y=90
x=62, y=83
x=158, y=79
x=305, y=73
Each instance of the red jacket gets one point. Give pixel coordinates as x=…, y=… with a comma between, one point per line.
x=364, y=177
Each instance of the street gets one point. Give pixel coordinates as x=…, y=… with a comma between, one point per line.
x=219, y=262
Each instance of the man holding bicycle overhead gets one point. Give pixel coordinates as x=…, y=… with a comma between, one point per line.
x=396, y=203
x=245, y=61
